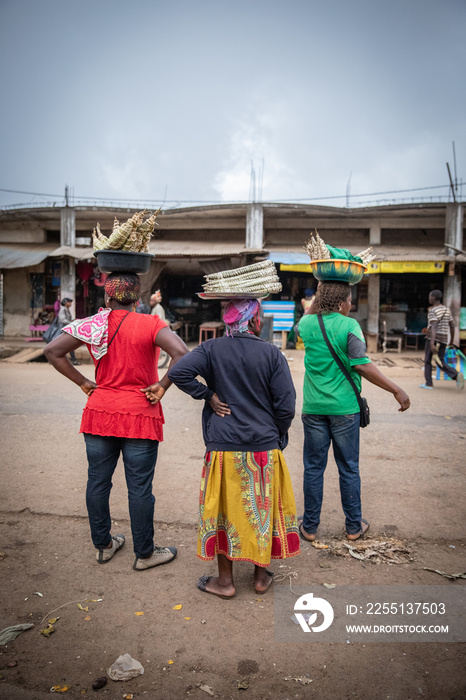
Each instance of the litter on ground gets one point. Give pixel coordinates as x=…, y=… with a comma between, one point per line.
x=453, y=577
x=378, y=551
x=9, y=633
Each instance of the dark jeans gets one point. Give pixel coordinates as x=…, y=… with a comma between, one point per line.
x=139, y=458
x=343, y=433
x=448, y=369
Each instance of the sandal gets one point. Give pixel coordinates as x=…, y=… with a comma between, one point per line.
x=310, y=537
x=358, y=535
x=202, y=585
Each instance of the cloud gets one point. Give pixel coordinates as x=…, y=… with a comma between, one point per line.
x=256, y=141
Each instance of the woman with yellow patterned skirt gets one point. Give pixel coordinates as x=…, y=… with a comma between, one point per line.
x=247, y=510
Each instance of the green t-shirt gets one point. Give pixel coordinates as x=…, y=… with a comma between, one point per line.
x=327, y=392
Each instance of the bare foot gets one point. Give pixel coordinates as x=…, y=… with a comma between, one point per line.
x=211, y=584
x=262, y=579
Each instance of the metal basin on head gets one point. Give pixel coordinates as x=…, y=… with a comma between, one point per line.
x=123, y=261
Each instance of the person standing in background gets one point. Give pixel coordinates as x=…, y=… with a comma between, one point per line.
x=57, y=305
x=64, y=317
x=307, y=300
x=156, y=305
x=439, y=325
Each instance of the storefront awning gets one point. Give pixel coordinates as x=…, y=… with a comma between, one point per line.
x=400, y=266
x=13, y=256
x=199, y=249
x=289, y=258
x=72, y=252
x=388, y=259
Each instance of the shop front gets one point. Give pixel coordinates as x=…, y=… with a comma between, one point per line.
x=393, y=291
x=404, y=290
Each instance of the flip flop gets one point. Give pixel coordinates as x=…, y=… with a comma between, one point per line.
x=202, y=585
x=360, y=534
x=271, y=574
x=311, y=537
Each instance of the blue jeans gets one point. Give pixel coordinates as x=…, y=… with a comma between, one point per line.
x=139, y=458
x=343, y=433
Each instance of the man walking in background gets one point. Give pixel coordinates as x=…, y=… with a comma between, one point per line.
x=439, y=325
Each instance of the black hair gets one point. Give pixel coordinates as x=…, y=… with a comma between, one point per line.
x=437, y=294
x=66, y=300
x=329, y=296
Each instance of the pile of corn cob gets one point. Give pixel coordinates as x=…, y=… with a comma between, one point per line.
x=317, y=250
x=133, y=236
x=259, y=278
x=366, y=256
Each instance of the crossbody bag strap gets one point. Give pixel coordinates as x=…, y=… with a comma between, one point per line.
x=111, y=341
x=338, y=361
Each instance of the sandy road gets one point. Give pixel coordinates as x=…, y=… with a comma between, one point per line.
x=412, y=468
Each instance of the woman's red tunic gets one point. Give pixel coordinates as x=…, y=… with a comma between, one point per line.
x=118, y=407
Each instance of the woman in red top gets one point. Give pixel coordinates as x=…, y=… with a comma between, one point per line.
x=123, y=412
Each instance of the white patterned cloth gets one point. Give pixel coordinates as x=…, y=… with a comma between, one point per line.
x=93, y=331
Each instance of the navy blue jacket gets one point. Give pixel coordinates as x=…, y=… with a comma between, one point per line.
x=253, y=378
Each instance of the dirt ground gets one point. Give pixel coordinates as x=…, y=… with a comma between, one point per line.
x=412, y=468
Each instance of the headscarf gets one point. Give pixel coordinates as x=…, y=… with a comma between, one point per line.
x=238, y=312
x=124, y=287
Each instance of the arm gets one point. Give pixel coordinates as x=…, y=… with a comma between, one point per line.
x=452, y=332
x=172, y=344
x=370, y=372
x=56, y=353
x=433, y=335
x=185, y=374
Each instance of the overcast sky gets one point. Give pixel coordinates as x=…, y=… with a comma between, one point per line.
x=174, y=99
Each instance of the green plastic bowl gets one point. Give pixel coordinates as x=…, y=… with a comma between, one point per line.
x=336, y=270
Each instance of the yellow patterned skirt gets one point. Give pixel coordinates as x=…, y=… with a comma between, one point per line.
x=247, y=509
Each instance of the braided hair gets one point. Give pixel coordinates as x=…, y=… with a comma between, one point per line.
x=124, y=287
x=329, y=296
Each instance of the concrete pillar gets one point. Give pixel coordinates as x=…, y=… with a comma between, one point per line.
x=373, y=305
x=255, y=226
x=68, y=282
x=68, y=227
x=454, y=227
x=375, y=233
x=452, y=280
x=68, y=265
x=452, y=296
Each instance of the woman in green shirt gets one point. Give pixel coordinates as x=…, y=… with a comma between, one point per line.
x=330, y=407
